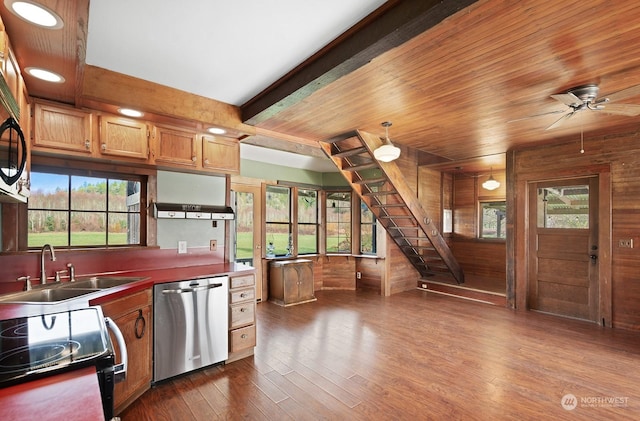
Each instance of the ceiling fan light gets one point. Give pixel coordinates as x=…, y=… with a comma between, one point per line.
x=491, y=183
x=387, y=153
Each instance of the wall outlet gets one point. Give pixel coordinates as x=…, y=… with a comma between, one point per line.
x=626, y=243
x=358, y=275
x=182, y=247
x=213, y=245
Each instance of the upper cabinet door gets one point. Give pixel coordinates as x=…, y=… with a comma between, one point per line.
x=64, y=129
x=221, y=154
x=175, y=146
x=123, y=137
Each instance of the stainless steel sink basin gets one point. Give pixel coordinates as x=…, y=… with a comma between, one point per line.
x=102, y=282
x=46, y=295
x=56, y=292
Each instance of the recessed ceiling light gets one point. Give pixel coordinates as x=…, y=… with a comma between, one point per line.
x=216, y=130
x=45, y=75
x=130, y=112
x=35, y=13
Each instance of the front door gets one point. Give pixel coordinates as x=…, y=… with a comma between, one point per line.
x=563, y=248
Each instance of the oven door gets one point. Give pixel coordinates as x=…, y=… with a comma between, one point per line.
x=110, y=373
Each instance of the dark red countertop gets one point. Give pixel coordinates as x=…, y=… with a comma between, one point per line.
x=75, y=395
x=152, y=277
x=69, y=396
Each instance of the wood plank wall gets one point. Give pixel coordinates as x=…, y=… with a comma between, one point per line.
x=621, y=154
x=478, y=258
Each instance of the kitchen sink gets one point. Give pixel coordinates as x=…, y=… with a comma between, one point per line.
x=56, y=292
x=46, y=295
x=101, y=282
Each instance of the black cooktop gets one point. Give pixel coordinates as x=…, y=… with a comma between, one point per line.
x=37, y=346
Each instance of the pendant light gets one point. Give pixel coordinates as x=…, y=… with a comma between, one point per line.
x=387, y=152
x=491, y=183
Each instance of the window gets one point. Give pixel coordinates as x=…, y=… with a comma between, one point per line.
x=278, y=221
x=492, y=219
x=307, y=221
x=563, y=207
x=338, y=222
x=77, y=210
x=367, y=230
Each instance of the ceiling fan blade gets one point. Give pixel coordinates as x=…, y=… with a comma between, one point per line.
x=568, y=99
x=625, y=93
x=561, y=120
x=622, y=109
x=537, y=115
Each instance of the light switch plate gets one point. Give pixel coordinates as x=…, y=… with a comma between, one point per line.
x=182, y=247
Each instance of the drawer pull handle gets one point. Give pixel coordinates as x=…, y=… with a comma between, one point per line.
x=243, y=295
x=140, y=319
x=243, y=336
x=243, y=309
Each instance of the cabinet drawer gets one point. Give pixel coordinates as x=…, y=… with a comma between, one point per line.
x=243, y=281
x=243, y=338
x=247, y=294
x=242, y=314
x=127, y=304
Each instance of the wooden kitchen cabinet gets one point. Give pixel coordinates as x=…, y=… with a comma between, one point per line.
x=123, y=137
x=242, y=316
x=221, y=154
x=133, y=315
x=62, y=130
x=175, y=146
x=291, y=282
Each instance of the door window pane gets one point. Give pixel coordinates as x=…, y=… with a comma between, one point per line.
x=563, y=207
x=244, y=227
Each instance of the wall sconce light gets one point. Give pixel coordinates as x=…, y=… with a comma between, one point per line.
x=387, y=152
x=491, y=183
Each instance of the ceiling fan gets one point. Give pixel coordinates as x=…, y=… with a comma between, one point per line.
x=585, y=98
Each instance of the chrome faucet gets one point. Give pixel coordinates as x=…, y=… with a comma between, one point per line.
x=43, y=274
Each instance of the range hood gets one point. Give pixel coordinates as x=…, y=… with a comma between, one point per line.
x=187, y=211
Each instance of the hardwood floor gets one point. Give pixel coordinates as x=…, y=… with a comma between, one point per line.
x=415, y=356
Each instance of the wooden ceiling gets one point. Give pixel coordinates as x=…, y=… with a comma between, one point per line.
x=457, y=84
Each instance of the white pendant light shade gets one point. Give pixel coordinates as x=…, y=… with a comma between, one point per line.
x=491, y=183
x=387, y=152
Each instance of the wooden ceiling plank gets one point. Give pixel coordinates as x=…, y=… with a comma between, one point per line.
x=388, y=27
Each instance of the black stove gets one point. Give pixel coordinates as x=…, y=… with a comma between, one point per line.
x=38, y=346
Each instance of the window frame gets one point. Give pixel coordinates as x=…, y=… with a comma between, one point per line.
x=481, y=204
x=374, y=230
x=350, y=231
x=316, y=224
x=83, y=171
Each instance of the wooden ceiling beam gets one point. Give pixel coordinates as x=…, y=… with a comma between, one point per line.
x=389, y=26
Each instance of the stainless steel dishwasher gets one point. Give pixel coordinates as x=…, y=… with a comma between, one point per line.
x=190, y=321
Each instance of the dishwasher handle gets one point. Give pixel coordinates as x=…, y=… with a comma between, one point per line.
x=187, y=290
x=120, y=370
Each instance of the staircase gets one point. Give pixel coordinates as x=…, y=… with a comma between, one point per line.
x=383, y=188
